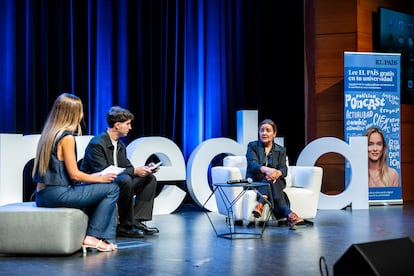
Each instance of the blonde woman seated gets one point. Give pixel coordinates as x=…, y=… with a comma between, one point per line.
x=379, y=174
x=61, y=184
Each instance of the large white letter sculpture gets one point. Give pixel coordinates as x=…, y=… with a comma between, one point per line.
x=173, y=169
x=356, y=153
x=17, y=150
x=198, y=165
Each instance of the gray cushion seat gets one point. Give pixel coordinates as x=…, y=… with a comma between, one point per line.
x=28, y=229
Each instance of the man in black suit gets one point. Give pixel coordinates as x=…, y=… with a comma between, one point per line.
x=107, y=149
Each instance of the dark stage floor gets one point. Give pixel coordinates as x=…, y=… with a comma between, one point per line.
x=188, y=245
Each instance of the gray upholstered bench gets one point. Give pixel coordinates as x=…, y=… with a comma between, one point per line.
x=27, y=229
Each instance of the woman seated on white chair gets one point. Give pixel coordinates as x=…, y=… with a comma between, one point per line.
x=266, y=162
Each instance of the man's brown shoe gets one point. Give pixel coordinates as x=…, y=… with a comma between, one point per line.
x=294, y=219
x=257, y=212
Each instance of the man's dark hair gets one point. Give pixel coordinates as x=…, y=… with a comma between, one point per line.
x=118, y=114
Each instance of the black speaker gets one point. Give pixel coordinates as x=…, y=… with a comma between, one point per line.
x=388, y=257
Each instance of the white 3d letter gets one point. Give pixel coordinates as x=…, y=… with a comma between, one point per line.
x=357, y=154
x=198, y=164
x=173, y=169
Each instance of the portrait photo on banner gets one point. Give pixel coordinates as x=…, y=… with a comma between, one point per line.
x=372, y=106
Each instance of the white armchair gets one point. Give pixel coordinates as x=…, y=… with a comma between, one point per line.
x=303, y=185
x=233, y=168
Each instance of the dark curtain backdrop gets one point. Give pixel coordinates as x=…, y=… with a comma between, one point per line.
x=183, y=67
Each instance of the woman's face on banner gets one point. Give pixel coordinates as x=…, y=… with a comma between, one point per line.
x=375, y=146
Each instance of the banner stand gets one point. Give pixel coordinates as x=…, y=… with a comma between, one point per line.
x=372, y=99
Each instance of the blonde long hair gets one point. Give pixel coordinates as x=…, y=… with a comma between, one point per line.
x=383, y=159
x=66, y=114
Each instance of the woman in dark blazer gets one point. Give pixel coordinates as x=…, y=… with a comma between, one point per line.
x=266, y=162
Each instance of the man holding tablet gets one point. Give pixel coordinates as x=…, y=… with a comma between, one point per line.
x=107, y=149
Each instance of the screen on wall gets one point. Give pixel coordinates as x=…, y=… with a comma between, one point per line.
x=395, y=34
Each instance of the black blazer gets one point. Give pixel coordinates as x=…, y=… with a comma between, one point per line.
x=256, y=157
x=99, y=155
